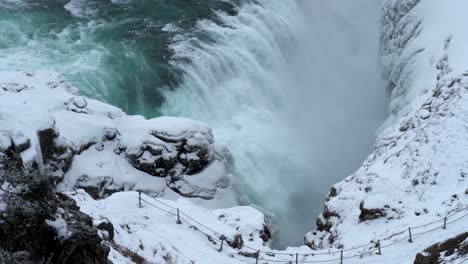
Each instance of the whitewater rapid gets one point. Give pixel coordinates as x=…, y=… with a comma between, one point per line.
x=293, y=88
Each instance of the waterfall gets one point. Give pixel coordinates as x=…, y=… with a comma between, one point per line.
x=293, y=88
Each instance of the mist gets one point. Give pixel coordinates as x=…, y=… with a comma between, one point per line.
x=293, y=89
x=336, y=100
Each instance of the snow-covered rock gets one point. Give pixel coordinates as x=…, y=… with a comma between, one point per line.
x=417, y=172
x=453, y=250
x=92, y=145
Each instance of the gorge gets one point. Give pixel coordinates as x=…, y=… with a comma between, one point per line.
x=214, y=131
x=292, y=87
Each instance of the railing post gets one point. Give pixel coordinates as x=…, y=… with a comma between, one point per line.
x=445, y=223
x=410, y=237
x=139, y=200
x=258, y=256
x=297, y=258
x=178, y=217
x=341, y=256
x=378, y=245
x=222, y=242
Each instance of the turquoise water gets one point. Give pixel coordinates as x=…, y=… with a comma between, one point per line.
x=118, y=53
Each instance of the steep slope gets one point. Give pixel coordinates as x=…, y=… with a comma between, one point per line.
x=151, y=232
x=39, y=225
x=418, y=169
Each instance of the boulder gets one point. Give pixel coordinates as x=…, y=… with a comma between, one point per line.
x=38, y=225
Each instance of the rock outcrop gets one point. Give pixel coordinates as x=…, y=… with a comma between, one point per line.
x=38, y=225
x=449, y=251
x=87, y=144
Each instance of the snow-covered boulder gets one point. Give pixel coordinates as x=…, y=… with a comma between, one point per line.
x=92, y=145
x=417, y=172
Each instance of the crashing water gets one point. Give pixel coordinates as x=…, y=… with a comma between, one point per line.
x=115, y=51
x=291, y=86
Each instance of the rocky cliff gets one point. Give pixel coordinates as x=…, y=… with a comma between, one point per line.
x=39, y=225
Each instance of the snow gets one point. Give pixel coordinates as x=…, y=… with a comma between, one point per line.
x=417, y=171
x=153, y=234
x=415, y=175
x=108, y=149
x=106, y=167
x=60, y=225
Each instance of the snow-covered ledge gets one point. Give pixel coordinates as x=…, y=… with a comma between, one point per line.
x=92, y=145
x=418, y=170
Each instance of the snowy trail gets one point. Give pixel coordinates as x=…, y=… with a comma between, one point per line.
x=136, y=230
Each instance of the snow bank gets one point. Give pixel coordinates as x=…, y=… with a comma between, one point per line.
x=92, y=145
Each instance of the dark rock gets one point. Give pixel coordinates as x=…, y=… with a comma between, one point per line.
x=20, y=257
x=450, y=247
x=248, y=254
x=39, y=225
x=265, y=234
x=164, y=161
x=158, y=165
x=56, y=157
x=134, y=257
x=370, y=214
x=326, y=215
x=238, y=242
x=107, y=226
x=19, y=147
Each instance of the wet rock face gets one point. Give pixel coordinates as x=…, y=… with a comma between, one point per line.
x=38, y=225
x=454, y=248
